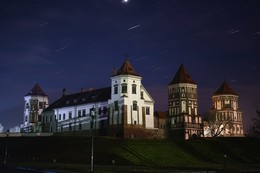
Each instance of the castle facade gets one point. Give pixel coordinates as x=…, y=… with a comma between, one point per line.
x=126, y=109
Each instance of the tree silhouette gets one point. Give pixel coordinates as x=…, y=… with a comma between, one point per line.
x=254, y=130
x=216, y=127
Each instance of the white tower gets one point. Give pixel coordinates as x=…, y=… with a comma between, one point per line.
x=35, y=101
x=131, y=106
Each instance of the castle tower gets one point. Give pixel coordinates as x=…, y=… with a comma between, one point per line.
x=35, y=101
x=131, y=107
x=225, y=111
x=184, y=121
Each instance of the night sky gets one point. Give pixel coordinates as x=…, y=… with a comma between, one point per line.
x=76, y=43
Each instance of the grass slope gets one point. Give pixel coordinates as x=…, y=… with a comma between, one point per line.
x=242, y=153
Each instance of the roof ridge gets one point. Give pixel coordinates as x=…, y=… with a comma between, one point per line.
x=225, y=89
x=126, y=69
x=79, y=98
x=36, y=90
x=182, y=76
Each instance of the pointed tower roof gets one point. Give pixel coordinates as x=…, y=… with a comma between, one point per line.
x=127, y=69
x=36, y=91
x=225, y=89
x=182, y=76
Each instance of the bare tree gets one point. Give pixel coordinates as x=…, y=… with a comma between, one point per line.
x=216, y=126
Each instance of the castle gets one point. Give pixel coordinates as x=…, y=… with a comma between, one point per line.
x=124, y=109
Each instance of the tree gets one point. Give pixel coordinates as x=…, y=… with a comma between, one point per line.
x=254, y=129
x=216, y=126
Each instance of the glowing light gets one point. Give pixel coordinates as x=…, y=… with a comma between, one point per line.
x=125, y=1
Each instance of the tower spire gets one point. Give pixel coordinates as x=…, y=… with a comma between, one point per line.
x=126, y=57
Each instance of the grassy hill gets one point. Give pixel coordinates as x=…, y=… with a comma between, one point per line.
x=241, y=153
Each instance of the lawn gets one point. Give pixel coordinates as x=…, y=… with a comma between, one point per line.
x=241, y=153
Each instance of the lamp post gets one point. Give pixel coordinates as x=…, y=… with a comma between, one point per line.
x=225, y=161
x=6, y=147
x=92, y=114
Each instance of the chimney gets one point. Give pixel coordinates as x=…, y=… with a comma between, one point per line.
x=64, y=92
x=114, y=71
x=83, y=90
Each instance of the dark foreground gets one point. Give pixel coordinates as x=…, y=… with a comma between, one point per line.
x=72, y=154
x=118, y=169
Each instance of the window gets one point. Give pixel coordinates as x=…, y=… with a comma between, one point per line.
x=50, y=118
x=99, y=111
x=115, y=89
x=79, y=113
x=70, y=115
x=104, y=110
x=84, y=112
x=64, y=116
x=134, y=89
x=59, y=116
x=147, y=110
x=142, y=95
x=116, y=105
x=135, y=105
x=124, y=88
x=41, y=105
